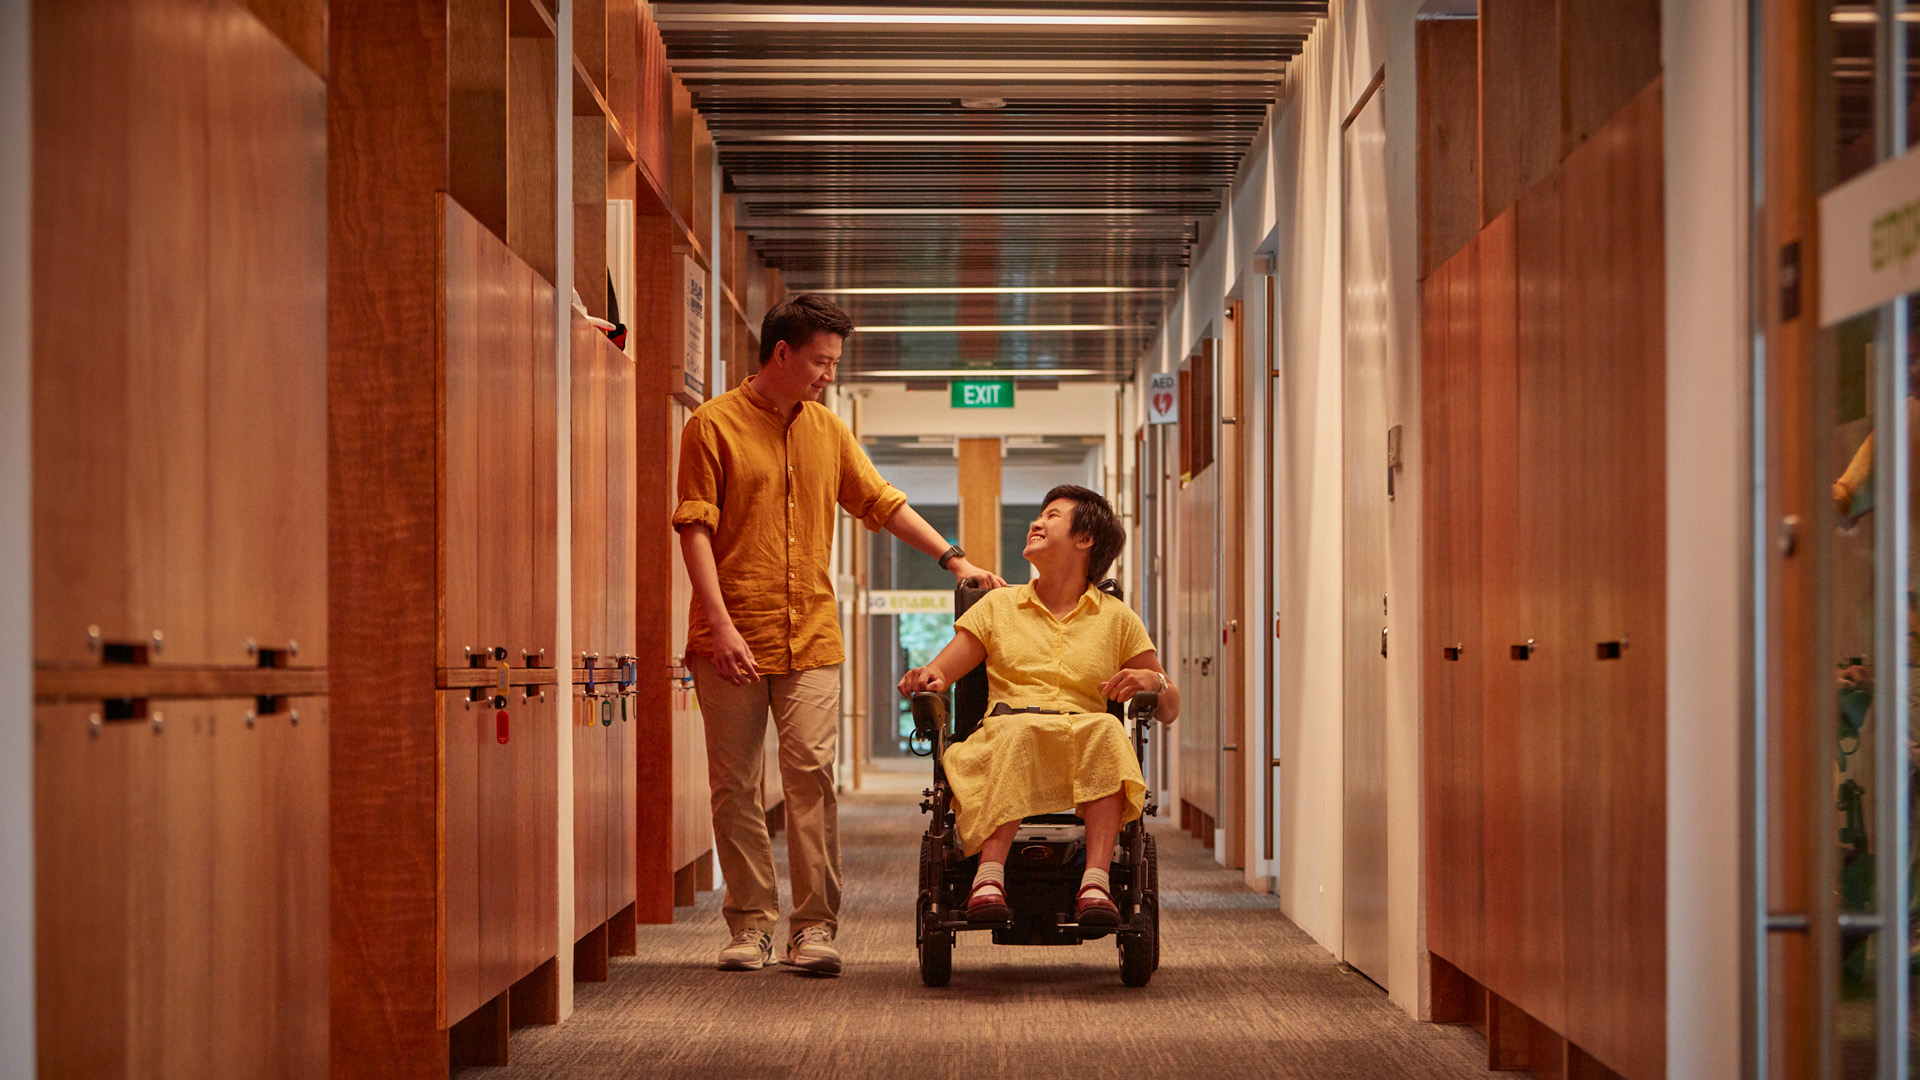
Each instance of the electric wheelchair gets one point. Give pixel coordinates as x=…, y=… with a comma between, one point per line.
x=1049, y=852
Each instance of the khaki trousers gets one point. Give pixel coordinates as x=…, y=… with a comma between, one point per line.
x=806, y=716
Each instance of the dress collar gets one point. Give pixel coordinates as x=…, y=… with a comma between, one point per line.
x=1025, y=594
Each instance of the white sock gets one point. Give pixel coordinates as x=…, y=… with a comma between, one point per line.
x=1096, y=877
x=991, y=872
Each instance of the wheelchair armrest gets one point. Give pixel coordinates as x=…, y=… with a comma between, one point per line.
x=929, y=714
x=1145, y=705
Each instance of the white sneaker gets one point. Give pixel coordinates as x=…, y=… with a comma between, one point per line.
x=812, y=950
x=750, y=950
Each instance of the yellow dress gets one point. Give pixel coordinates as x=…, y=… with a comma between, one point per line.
x=1021, y=764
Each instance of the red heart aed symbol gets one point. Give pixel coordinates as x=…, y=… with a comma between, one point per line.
x=1162, y=402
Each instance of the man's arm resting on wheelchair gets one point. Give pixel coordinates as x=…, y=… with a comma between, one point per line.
x=1144, y=672
x=961, y=655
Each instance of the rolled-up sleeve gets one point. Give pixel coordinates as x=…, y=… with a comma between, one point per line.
x=862, y=493
x=701, y=486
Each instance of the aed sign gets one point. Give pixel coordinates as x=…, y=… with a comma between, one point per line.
x=1163, y=397
x=983, y=394
x=910, y=602
x=1870, y=239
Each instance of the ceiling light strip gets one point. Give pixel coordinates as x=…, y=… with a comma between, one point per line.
x=975, y=373
x=1002, y=328
x=988, y=290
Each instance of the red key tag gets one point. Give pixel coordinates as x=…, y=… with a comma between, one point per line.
x=500, y=727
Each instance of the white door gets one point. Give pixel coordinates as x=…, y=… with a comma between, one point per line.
x=1364, y=527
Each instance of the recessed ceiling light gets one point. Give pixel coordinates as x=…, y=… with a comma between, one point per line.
x=983, y=103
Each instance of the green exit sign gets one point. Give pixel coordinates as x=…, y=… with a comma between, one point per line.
x=983, y=394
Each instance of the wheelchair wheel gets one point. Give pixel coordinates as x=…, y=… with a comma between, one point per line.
x=936, y=946
x=936, y=957
x=1152, y=904
x=1138, y=952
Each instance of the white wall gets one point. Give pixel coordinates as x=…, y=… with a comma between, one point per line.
x=1707, y=513
x=16, y=571
x=1290, y=191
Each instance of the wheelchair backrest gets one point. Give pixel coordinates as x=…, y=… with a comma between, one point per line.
x=970, y=690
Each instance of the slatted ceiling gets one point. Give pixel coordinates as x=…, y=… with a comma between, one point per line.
x=852, y=163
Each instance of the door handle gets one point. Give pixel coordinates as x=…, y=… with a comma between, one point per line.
x=1383, y=641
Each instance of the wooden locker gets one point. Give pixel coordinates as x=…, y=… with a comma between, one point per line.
x=80, y=911
x=461, y=315
x=120, y=328
x=266, y=373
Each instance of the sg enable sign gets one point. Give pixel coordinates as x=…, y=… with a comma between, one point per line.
x=983, y=394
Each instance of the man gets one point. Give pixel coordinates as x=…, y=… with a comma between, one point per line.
x=761, y=470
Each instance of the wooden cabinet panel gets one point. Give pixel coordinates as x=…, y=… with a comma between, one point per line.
x=589, y=817
x=622, y=885
x=1551, y=516
x=181, y=891
x=119, y=326
x=461, y=393
x=1615, y=743
x=545, y=513
x=1503, y=620
x=1456, y=651
x=499, y=897
x=1613, y=53
x=266, y=347
x=622, y=577
x=80, y=909
x=1449, y=109
x=536, y=824
x=589, y=494
x=269, y=903
x=296, y=756
x=1521, y=128
x=464, y=728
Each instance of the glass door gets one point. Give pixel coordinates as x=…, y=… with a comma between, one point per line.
x=1837, y=614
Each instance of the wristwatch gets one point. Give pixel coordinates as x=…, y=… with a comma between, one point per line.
x=1163, y=681
x=953, y=552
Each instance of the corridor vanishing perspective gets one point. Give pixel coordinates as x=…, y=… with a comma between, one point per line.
x=1240, y=992
x=472, y=472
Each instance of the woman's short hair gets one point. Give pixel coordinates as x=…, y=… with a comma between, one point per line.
x=798, y=320
x=1093, y=516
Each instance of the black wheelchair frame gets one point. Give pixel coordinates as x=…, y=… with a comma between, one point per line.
x=1044, y=868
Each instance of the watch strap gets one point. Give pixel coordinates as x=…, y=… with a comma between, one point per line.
x=953, y=552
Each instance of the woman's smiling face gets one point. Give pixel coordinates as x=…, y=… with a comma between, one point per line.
x=1053, y=531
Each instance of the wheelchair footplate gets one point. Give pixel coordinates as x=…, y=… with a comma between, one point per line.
x=1044, y=869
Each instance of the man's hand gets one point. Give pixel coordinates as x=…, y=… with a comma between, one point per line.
x=1129, y=681
x=963, y=569
x=732, y=656
x=921, y=679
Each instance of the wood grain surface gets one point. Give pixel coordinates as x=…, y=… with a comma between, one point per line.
x=386, y=129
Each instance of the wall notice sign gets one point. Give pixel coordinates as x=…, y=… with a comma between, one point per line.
x=910, y=602
x=1870, y=239
x=690, y=357
x=983, y=394
x=1163, y=389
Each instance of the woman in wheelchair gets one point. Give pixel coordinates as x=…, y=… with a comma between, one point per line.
x=1056, y=649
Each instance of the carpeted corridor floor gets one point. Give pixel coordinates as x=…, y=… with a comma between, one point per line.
x=1240, y=992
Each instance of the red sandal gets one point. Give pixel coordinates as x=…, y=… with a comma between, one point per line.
x=988, y=903
x=1095, y=907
